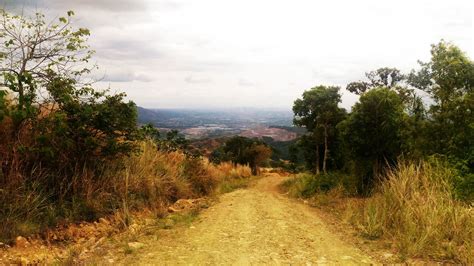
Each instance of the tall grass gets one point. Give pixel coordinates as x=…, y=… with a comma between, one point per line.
x=415, y=207
x=150, y=179
x=232, y=176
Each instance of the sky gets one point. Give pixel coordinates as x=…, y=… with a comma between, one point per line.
x=254, y=53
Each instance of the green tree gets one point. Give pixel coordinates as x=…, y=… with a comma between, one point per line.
x=449, y=79
x=85, y=128
x=59, y=122
x=243, y=151
x=30, y=49
x=372, y=132
x=319, y=113
x=382, y=77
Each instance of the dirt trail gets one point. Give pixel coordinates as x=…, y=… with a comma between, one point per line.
x=254, y=226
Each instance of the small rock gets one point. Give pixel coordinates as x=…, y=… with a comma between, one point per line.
x=21, y=242
x=135, y=245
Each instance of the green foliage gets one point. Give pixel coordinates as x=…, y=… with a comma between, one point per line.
x=170, y=142
x=174, y=141
x=382, y=77
x=307, y=185
x=319, y=113
x=57, y=131
x=449, y=79
x=244, y=151
x=372, y=132
x=3, y=105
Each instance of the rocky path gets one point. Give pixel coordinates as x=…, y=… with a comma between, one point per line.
x=254, y=226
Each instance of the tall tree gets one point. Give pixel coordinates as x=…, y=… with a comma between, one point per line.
x=449, y=79
x=372, y=131
x=319, y=113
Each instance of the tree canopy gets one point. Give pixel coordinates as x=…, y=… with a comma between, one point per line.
x=245, y=151
x=319, y=113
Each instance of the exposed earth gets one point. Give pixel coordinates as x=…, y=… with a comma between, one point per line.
x=253, y=226
x=256, y=225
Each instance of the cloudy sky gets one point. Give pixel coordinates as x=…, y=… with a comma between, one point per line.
x=254, y=53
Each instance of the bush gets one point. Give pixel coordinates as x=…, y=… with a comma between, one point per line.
x=307, y=185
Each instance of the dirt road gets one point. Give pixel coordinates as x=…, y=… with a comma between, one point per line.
x=254, y=226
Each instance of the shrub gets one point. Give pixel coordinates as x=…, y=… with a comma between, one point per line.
x=307, y=185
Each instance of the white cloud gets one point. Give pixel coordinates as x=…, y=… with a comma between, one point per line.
x=196, y=53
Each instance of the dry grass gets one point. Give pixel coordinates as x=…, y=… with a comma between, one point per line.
x=415, y=208
x=151, y=179
x=231, y=176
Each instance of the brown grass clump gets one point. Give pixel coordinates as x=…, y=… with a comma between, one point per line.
x=150, y=179
x=231, y=176
x=415, y=207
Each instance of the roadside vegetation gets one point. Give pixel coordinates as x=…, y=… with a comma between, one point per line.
x=244, y=151
x=400, y=164
x=69, y=152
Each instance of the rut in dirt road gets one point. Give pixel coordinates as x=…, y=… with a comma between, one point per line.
x=255, y=225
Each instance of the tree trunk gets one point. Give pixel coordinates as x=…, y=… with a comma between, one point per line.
x=317, y=159
x=326, y=148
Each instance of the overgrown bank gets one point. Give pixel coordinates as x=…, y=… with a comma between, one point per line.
x=413, y=208
x=151, y=179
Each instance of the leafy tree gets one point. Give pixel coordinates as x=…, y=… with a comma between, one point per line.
x=372, y=132
x=30, y=49
x=319, y=113
x=171, y=141
x=243, y=151
x=393, y=79
x=59, y=122
x=86, y=127
x=174, y=141
x=149, y=131
x=449, y=79
x=382, y=77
